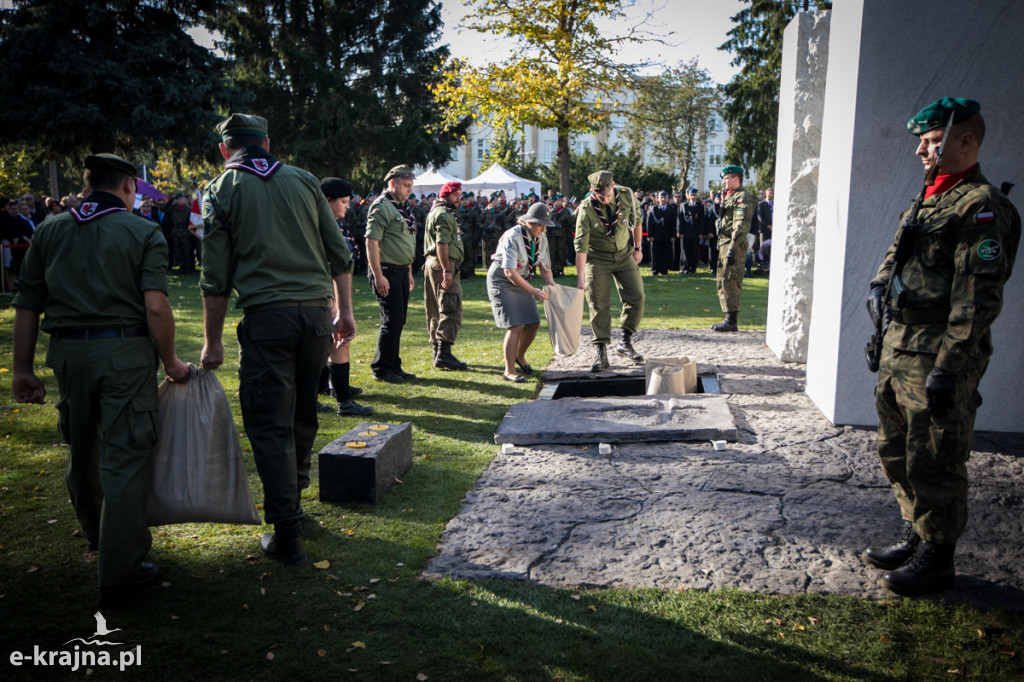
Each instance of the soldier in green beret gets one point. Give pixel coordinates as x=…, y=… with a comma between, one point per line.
x=390, y=251
x=271, y=237
x=944, y=292
x=734, y=220
x=107, y=326
x=606, y=221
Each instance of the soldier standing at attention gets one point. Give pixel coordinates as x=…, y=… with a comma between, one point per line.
x=944, y=295
x=390, y=250
x=605, y=221
x=98, y=274
x=270, y=235
x=442, y=292
x=733, y=227
x=558, y=237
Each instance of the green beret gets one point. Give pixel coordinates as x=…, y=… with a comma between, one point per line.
x=242, y=124
x=110, y=162
x=732, y=170
x=600, y=179
x=936, y=114
x=403, y=171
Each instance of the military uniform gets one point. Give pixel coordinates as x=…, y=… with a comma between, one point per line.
x=558, y=241
x=393, y=227
x=419, y=214
x=603, y=234
x=733, y=228
x=87, y=271
x=271, y=236
x=444, y=306
x=184, y=249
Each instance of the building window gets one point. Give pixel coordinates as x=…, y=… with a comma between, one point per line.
x=550, y=151
x=481, y=149
x=582, y=146
x=715, y=153
x=716, y=122
x=455, y=153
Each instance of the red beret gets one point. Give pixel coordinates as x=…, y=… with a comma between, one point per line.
x=449, y=187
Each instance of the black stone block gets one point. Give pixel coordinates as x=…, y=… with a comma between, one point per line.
x=364, y=474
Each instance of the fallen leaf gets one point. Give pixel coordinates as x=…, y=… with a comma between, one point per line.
x=270, y=655
x=981, y=634
x=473, y=603
x=358, y=645
x=798, y=628
x=263, y=591
x=322, y=565
x=359, y=606
x=955, y=671
x=374, y=581
x=173, y=617
x=165, y=584
x=321, y=652
x=592, y=608
x=33, y=568
x=780, y=635
x=814, y=621
x=1008, y=651
x=884, y=640
x=51, y=522
x=420, y=677
x=575, y=597
x=327, y=628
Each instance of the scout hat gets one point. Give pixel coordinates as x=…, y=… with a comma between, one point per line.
x=403, y=171
x=600, y=179
x=936, y=114
x=732, y=170
x=336, y=188
x=242, y=124
x=110, y=162
x=538, y=213
x=449, y=188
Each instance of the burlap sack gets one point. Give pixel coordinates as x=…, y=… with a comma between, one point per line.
x=198, y=469
x=689, y=373
x=564, y=313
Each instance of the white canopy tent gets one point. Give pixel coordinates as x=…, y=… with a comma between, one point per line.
x=497, y=178
x=432, y=181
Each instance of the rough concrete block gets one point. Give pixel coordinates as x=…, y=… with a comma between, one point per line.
x=364, y=474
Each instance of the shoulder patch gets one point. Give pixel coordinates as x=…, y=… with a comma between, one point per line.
x=207, y=206
x=985, y=217
x=989, y=250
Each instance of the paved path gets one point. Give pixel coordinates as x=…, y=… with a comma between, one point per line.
x=786, y=509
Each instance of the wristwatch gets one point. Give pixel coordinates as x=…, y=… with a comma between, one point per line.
x=637, y=248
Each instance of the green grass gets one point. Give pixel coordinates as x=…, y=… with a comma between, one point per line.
x=370, y=616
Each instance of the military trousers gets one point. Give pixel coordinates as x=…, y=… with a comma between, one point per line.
x=282, y=351
x=393, y=309
x=924, y=459
x=556, y=243
x=107, y=413
x=603, y=268
x=443, y=306
x=730, y=277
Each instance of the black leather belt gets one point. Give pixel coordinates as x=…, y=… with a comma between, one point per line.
x=316, y=303
x=93, y=333
x=920, y=315
x=393, y=266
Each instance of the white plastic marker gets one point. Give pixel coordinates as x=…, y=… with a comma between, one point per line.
x=604, y=448
x=719, y=444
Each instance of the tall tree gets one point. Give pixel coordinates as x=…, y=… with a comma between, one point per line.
x=752, y=96
x=673, y=115
x=561, y=71
x=344, y=83
x=626, y=166
x=105, y=76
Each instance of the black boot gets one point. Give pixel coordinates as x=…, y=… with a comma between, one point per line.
x=435, y=346
x=602, y=359
x=445, y=359
x=285, y=543
x=625, y=347
x=728, y=324
x=343, y=394
x=895, y=555
x=929, y=570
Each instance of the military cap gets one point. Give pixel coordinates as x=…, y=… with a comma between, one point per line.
x=110, y=162
x=600, y=179
x=692, y=190
x=732, y=170
x=663, y=193
x=936, y=114
x=403, y=171
x=242, y=124
x=336, y=188
x=538, y=213
x=469, y=194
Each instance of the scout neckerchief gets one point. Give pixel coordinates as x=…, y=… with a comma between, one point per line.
x=404, y=211
x=95, y=205
x=353, y=243
x=256, y=160
x=532, y=248
x=612, y=221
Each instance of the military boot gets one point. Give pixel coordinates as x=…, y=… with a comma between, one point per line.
x=285, y=543
x=929, y=570
x=728, y=324
x=445, y=359
x=343, y=392
x=435, y=348
x=602, y=359
x=895, y=555
x=625, y=347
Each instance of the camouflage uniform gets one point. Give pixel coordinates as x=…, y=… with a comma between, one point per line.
x=954, y=280
x=558, y=238
x=733, y=226
x=468, y=218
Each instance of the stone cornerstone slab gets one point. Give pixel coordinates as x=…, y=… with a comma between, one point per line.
x=801, y=106
x=882, y=69
x=364, y=474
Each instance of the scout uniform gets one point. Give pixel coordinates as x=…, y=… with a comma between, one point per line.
x=86, y=272
x=393, y=227
x=270, y=235
x=603, y=233
x=443, y=306
x=939, y=338
x=734, y=220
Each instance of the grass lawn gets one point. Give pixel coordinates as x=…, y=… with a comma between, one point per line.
x=224, y=613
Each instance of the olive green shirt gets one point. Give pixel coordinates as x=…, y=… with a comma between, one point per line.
x=591, y=232
x=443, y=229
x=270, y=239
x=734, y=220
x=396, y=238
x=93, y=274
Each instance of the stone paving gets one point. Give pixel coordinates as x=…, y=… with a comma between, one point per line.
x=787, y=508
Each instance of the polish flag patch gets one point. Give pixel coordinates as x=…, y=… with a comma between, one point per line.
x=985, y=217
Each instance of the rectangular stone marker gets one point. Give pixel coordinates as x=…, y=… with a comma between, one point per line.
x=364, y=474
x=618, y=420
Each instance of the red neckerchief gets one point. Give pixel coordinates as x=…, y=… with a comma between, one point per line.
x=944, y=183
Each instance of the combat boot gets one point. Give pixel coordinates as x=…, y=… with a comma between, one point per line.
x=728, y=324
x=435, y=348
x=625, y=347
x=602, y=359
x=285, y=543
x=929, y=570
x=895, y=555
x=445, y=359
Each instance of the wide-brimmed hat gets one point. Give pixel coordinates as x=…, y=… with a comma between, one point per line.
x=538, y=213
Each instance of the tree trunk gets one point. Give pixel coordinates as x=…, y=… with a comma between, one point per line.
x=563, y=161
x=54, y=189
